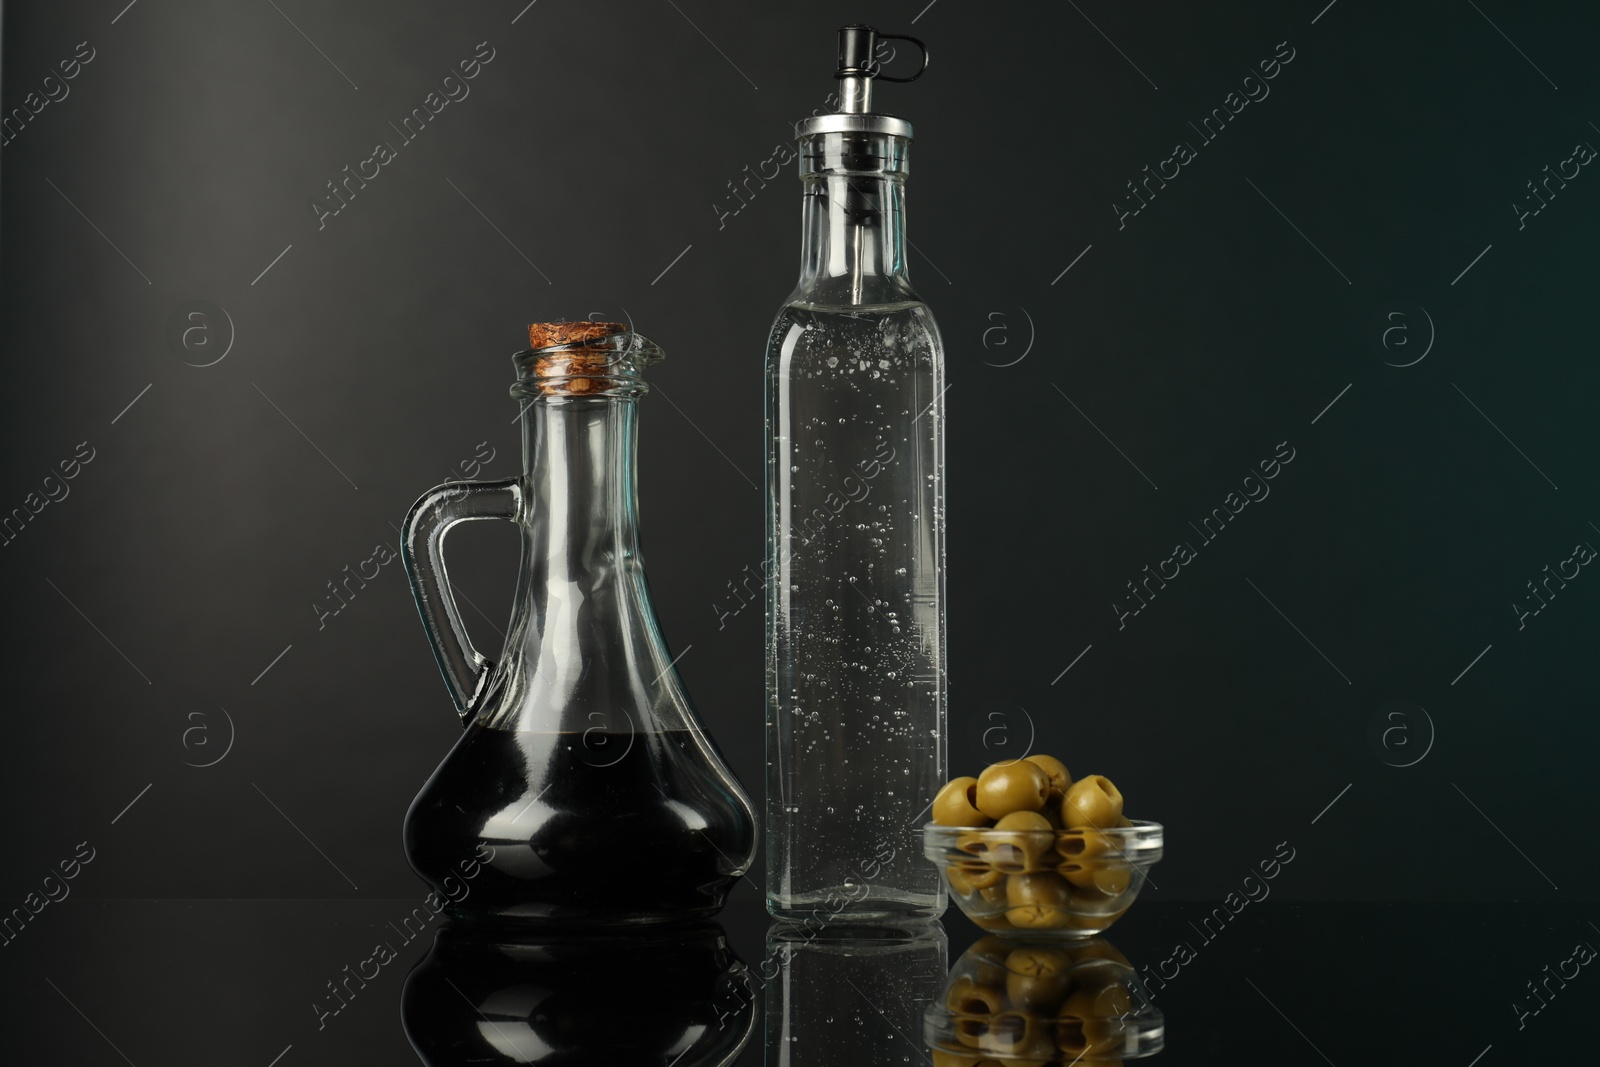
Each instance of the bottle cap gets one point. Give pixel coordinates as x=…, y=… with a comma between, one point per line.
x=858, y=69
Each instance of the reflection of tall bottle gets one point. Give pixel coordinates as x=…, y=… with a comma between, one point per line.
x=487, y=995
x=855, y=534
x=853, y=999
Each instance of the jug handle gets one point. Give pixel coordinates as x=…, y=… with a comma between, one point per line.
x=466, y=671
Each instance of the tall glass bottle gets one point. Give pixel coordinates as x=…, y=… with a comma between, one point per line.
x=855, y=535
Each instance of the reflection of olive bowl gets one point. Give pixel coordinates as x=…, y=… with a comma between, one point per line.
x=1014, y=999
x=1044, y=883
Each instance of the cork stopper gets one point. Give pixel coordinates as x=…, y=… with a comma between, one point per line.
x=546, y=334
x=578, y=362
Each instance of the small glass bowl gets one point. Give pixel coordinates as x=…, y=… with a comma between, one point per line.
x=1027, y=1000
x=1044, y=883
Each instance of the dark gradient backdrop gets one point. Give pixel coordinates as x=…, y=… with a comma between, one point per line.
x=1347, y=265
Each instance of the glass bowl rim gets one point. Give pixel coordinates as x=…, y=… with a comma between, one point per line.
x=1140, y=844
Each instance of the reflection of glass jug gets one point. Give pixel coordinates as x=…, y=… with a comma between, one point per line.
x=584, y=772
x=485, y=995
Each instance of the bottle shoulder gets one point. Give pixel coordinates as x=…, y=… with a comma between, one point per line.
x=853, y=291
x=804, y=333
x=912, y=313
x=886, y=307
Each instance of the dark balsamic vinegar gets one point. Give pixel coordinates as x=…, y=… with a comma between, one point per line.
x=594, y=826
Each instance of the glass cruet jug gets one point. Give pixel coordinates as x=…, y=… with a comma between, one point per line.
x=585, y=788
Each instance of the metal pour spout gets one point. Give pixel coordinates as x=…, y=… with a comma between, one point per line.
x=858, y=66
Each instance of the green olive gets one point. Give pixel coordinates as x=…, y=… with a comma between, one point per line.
x=1038, y=961
x=1083, y=853
x=1019, y=841
x=1090, y=802
x=1056, y=771
x=959, y=885
x=994, y=895
x=989, y=952
x=1014, y=785
x=984, y=962
x=953, y=806
x=1093, y=1021
x=967, y=997
x=1037, y=979
x=979, y=874
x=1045, y=889
x=1112, y=881
x=1104, y=1000
x=1069, y=1035
x=974, y=843
x=952, y=1059
x=1037, y=994
x=971, y=1031
x=1018, y=1035
x=1038, y=917
x=1038, y=901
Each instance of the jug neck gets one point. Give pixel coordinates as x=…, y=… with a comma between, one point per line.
x=853, y=219
x=578, y=455
x=584, y=655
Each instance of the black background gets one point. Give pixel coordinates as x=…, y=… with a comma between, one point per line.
x=1358, y=618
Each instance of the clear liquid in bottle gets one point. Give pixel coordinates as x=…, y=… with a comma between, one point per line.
x=856, y=663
